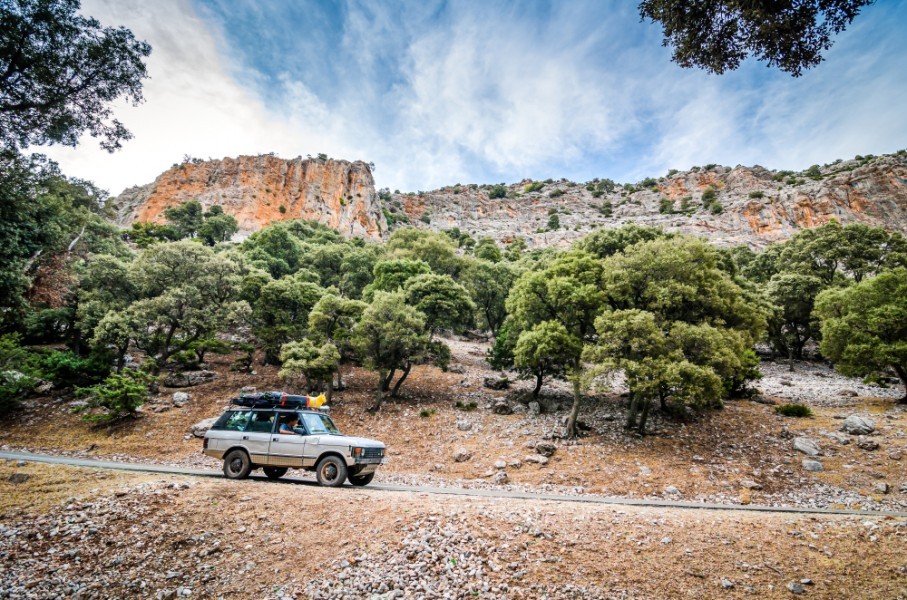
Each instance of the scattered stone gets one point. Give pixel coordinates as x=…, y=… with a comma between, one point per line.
x=867, y=444
x=750, y=484
x=496, y=383
x=535, y=409
x=786, y=382
x=21, y=463
x=461, y=455
x=200, y=428
x=848, y=393
x=500, y=478
x=537, y=459
x=838, y=437
x=464, y=425
x=895, y=455
x=546, y=449
x=856, y=425
x=812, y=465
x=45, y=388
x=881, y=488
x=667, y=540
x=19, y=477
x=515, y=464
x=249, y=389
x=807, y=446
x=806, y=581
x=500, y=464
x=672, y=490
x=727, y=584
x=180, y=399
x=189, y=378
x=903, y=488
x=502, y=408
x=795, y=588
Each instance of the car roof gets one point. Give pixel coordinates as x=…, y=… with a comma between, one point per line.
x=278, y=409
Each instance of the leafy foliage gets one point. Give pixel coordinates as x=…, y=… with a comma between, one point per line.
x=120, y=395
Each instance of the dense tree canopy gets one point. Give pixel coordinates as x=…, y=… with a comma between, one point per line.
x=59, y=72
x=864, y=327
x=718, y=35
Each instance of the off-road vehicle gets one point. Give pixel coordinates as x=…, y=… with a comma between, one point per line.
x=248, y=436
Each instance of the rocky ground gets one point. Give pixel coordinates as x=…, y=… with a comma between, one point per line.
x=81, y=533
x=743, y=454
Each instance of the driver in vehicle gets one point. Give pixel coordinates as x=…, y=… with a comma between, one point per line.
x=289, y=426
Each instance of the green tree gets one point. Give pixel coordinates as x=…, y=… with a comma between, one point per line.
x=391, y=275
x=333, y=319
x=390, y=337
x=187, y=218
x=436, y=249
x=864, y=327
x=282, y=312
x=60, y=73
x=218, y=226
x=540, y=351
x=487, y=249
x=489, y=284
x=303, y=360
x=515, y=249
x=607, y=242
x=718, y=36
x=120, y=395
x=791, y=324
x=357, y=270
x=444, y=303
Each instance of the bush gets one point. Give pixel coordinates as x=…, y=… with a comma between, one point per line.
x=533, y=187
x=556, y=193
x=17, y=376
x=666, y=206
x=497, y=191
x=794, y=410
x=468, y=407
x=554, y=222
x=672, y=172
x=119, y=395
x=426, y=413
x=709, y=195
x=813, y=172
x=756, y=195
x=648, y=182
x=68, y=369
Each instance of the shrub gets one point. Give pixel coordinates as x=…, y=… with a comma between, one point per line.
x=605, y=208
x=533, y=187
x=597, y=193
x=756, y=195
x=119, y=395
x=322, y=156
x=283, y=209
x=794, y=410
x=425, y=218
x=672, y=172
x=813, y=172
x=497, y=191
x=67, y=369
x=666, y=206
x=426, y=413
x=554, y=222
x=648, y=182
x=17, y=376
x=710, y=166
x=468, y=407
x=556, y=193
x=685, y=203
x=709, y=195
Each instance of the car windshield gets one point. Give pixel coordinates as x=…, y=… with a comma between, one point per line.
x=316, y=423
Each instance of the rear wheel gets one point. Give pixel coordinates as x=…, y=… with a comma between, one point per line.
x=237, y=465
x=275, y=472
x=360, y=480
x=331, y=471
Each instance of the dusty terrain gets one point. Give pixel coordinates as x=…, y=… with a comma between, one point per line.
x=742, y=454
x=70, y=532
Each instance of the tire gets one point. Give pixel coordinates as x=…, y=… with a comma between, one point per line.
x=237, y=464
x=331, y=471
x=361, y=480
x=275, y=472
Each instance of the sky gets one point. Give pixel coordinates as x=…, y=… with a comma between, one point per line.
x=442, y=92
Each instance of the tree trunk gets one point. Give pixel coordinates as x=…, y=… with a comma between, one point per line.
x=902, y=374
x=329, y=393
x=790, y=358
x=379, y=392
x=574, y=410
x=339, y=385
x=644, y=416
x=662, y=399
x=386, y=382
x=538, y=386
x=401, y=380
x=634, y=408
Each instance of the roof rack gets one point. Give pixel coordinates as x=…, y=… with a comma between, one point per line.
x=280, y=400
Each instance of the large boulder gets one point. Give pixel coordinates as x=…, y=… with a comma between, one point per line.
x=502, y=408
x=200, y=428
x=496, y=383
x=856, y=425
x=546, y=449
x=461, y=455
x=180, y=399
x=189, y=378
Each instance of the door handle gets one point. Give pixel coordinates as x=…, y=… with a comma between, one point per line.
x=275, y=439
x=245, y=437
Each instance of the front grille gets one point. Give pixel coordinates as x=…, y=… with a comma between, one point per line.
x=373, y=453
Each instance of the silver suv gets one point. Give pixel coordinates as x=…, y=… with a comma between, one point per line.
x=248, y=438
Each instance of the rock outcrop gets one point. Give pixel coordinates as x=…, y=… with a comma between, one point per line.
x=258, y=190
x=752, y=205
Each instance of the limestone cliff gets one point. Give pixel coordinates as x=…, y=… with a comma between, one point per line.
x=751, y=205
x=259, y=190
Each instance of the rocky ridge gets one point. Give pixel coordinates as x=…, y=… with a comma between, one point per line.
x=751, y=205
x=262, y=189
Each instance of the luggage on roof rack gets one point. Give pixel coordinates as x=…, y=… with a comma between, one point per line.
x=278, y=400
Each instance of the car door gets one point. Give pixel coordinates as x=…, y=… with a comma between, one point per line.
x=257, y=436
x=287, y=449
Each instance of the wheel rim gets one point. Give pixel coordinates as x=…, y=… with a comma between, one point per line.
x=329, y=472
x=236, y=465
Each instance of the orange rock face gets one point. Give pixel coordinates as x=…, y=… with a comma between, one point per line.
x=259, y=190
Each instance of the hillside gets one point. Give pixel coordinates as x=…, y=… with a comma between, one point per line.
x=751, y=205
x=259, y=190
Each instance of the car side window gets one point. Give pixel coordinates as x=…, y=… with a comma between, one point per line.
x=235, y=421
x=262, y=421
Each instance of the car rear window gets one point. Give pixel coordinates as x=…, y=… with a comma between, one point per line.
x=232, y=420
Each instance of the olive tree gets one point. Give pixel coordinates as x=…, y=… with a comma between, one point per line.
x=864, y=327
x=303, y=360
x=333, y=319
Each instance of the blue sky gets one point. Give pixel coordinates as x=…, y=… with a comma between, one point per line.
x=436, y=93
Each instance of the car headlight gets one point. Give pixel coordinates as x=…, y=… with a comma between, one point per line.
x=355, y=452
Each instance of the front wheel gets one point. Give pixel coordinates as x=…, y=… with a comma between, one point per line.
x=361, y=480
x=275, y=472
x=237, y=465
x=331, y=471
